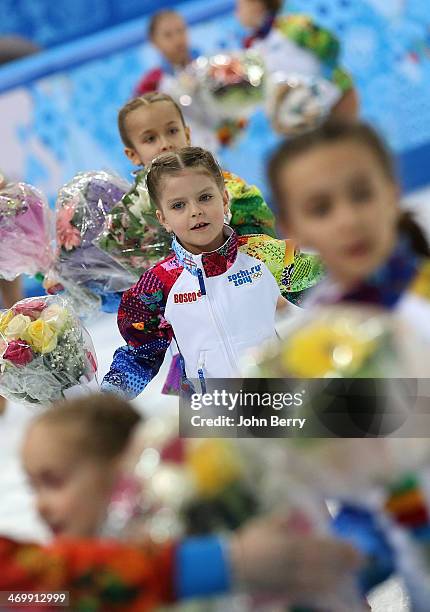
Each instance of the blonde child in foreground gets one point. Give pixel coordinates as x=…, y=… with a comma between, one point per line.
x=73, y=455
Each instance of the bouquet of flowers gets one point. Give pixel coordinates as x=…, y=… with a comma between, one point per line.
x=185, y=486
x=222, y=91
x=342, y=342
x=296, y=103
x=300, y=93
x=173, y=487
x=233, y=87
x=234, y=83
x=132, y=234
x=358, y=368
x=45, y=353
x=25, y=231
x=81, y=210
x=387, y=477
x=342, y=348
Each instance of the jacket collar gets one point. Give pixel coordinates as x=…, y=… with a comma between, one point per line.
x=213, y=263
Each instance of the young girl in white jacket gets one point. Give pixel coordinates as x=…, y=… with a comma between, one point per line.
x=216, y=294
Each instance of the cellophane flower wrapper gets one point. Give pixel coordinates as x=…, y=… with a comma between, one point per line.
x=233, y=83
x=26, y=236
x=82, y=207
x=341, y=342
x=296, y=102
x=184, y=487
x=45, y=353
x=388, y=477
x=132, y=234
x=175, y=487
x=333, y=343
x=345, y=342
x=85, y=302
x=222, y=91
x=188, y=486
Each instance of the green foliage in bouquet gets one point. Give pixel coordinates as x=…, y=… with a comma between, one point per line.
x=133, y=236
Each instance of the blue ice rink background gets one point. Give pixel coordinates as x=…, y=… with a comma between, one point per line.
x=75, y=89
x=58, y=109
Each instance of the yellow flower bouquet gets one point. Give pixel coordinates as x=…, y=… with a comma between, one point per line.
x=355, y=368
x=338, y=342
x=183, y=486
x=44, y=351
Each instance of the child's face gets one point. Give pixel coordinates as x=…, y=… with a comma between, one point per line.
x=171, y=39
x=154, y=129
x=250, y=13
x=338, y=201
x=72, y=492
x=193, y=208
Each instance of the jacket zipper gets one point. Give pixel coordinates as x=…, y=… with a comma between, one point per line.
x=201, y=281
x=218, y=324
x=200, y=372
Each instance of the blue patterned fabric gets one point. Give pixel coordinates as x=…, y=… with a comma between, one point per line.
x=133, y=368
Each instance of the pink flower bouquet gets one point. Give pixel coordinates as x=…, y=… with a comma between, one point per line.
x=132, y=234
x=81, y=210
x=25, y=231
x=45, y=353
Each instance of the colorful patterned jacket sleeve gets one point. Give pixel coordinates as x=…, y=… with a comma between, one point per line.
x=294, y=272
x=101, y=576
x=321, y=42
x=250, y=213
x=148, y=335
